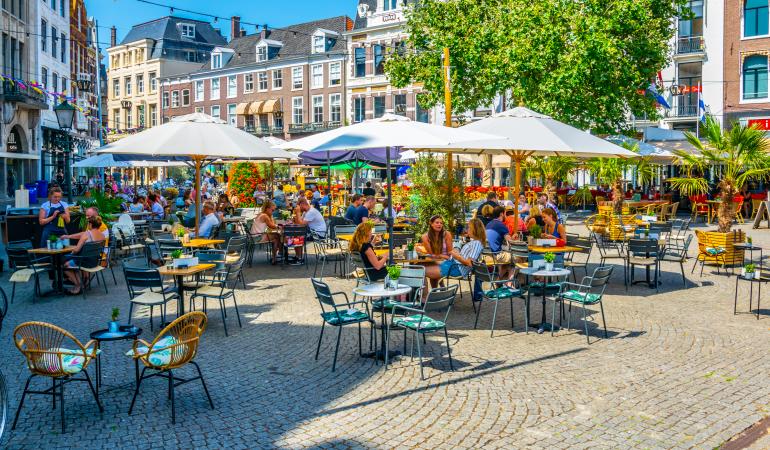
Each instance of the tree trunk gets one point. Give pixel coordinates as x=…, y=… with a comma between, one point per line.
x=550, y=190
x=617, y=197
x=486, y=170
x=726, y=211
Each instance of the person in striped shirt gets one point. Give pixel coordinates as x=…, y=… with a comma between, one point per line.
x=460, y=262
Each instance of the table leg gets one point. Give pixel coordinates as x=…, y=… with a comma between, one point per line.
x=759, y=297
x=59, y=269
x=98, y=369
x=180, y=290
x=735, y=300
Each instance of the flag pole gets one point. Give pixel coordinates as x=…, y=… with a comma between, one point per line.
x=697, y=121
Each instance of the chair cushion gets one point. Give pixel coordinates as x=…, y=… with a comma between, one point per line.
x=22, y=275
x=640, y=261
x=159, y=357
x=389, y=304
x=414, y=323
x=715, y=250
x=72, y=360
x=209, y=291
x=151, y=298
x=92, y=269
x=581, y=297
x=346, y=316
x=501, y=292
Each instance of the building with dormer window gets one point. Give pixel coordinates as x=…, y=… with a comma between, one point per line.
x=377, y=32
x=286, y=82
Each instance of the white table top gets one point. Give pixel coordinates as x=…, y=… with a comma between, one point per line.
x=540, y=272
x=378, y=290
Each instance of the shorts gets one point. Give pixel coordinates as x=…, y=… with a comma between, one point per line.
x=450, y=268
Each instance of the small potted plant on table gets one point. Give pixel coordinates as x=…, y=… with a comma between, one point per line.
x=749, y=272
x=535, y=232
x=53, y=241
x=394, y=272
x=549, y=258
x=114, y=326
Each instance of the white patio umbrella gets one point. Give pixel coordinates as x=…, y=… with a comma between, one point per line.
x=108, y=160
x=527, y=133
x=656, y=154
x=196, y=138
x=387, y=132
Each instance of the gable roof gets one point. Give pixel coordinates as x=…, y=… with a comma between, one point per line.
x=166, y=28
x=296, y=40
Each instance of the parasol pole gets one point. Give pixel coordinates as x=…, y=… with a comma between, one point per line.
x=198, y=160
x=388, y=218
x=516, y=169
x=329, y=182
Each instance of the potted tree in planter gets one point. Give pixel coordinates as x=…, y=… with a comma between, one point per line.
x=741, y=154
x=535, y=231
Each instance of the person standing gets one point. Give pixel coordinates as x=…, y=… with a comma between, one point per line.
x=543, y=202
x=53, y=216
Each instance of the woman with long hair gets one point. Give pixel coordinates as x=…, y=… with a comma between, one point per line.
x=460, y=262
x=263, y=225
x=553, y=229
x=362, y=244
x=535, y=217
x=437, y=241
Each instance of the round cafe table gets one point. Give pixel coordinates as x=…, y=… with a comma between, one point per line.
x=378, y=290
x=125, y=332
x=546, y=275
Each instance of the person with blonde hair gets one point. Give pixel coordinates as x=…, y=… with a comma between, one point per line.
x=535, y=217
x=92, y=234
x=263, y=224
x=361, y=243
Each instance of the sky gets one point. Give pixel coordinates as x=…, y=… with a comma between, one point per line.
x=125, y=13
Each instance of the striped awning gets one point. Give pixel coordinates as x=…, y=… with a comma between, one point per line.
x=242, y=108
x=271, y=106
x=255, y=107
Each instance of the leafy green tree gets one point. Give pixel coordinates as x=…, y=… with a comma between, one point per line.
x=551, y=169
x=434, y=194
x=582, y=62
x=739, y=154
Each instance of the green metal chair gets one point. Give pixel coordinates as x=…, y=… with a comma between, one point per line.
x=589, y=292
x=439, y=300
x=495, y=291
x=339, y=315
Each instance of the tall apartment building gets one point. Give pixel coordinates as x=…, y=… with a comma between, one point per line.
x=747, y=47
x=20, y=108
x=83, y=64
x=378, y=31
x=160, y=48
x=284, y=82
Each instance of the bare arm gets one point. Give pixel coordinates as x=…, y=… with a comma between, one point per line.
x=81, y=242
x=377, y=263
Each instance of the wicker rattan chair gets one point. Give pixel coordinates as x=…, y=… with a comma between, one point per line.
x=54, y=353
x=173, y=348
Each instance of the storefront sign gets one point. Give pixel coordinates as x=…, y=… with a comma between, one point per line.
x=760, y=124
x=681, y=89
x=14, y=142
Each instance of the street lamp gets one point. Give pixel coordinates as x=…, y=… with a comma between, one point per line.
x=65, y=115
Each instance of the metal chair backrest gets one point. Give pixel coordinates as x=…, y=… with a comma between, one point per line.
x=212, y=256
x=440, y=300
x=414, y=277
x=3, y=307
x=483, y=272
x=519, y=250
x=25, y=244
x=167, y=246
x=601, y=277
x=380, y=228
x=294, y=231
x=19, y=258
x=90, y=254
x=400, y=239
x=237, y=244
x=186, y=332
x=323, y=293
x=336, y=221
x=644, y=247
x=230, y=278
x=138, y=279
x=41, y=344
x=583, y=242
x=344, y=229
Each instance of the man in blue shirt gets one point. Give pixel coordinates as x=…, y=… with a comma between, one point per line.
x=209, y=220
x=498, y=235
x=362, y=212
x=355, y=202
x=543, y=202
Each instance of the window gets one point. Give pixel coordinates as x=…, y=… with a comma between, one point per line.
x=390, y=5
x=199, y=95
x=63, y=48
x=127, y=82
x=128, y=118
x=421, y=114
x=262, y=53
x=335, y=108
x=54, y=41
x=55, y=82
x=277, y=79
x=53, y=4
x=164, y=101
x=692, y=27
x=175, y=99
x=140, y=84
x=248, y=82
x=116, y=118
x=153, y=116
x=297, y=111
x=399, y=104
x=115, y=87
x=317, y=76
x=379, y=60
x=215, y=111
x=231, y=117
x=319, y=43
x=214, y=88
x=318, y=108
x=199, y=109
x=359, y=109
x=140, y=115
x=688, y=74
x=232, y=86
x=216, y=61
x=185, y=97
x=755, y=18
x=191, y=56
x=755, y=77
x=61, y=8
x=335, y=74
x=64, y=84
x=277, y=122
x=153, y=82
x=43, y=35
x=296, y=78
x=379, y=106
x=262, y=79
x=360, y=62
x=188, y=30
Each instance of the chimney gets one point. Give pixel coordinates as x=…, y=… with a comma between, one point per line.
x=113, y=36
x=265, y=33
x=243, y=32
x=235, y=27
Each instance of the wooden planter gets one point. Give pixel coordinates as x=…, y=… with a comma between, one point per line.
x=606, y=209
x=732, y=255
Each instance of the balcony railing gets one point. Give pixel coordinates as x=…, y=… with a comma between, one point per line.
x=262, y=130
x=313, y=127
x=690, y=44
x=12, y=92
x=684, y=110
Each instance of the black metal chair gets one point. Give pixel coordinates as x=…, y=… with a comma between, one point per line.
x=589, y=292
x=88, y=261
x=146, y=288
x=579, y=258
x=290, y=235
x=222, y=288
x=679, y=255
x=495, y=292
x=26, y=266
x=645, y=253
x=340, y=315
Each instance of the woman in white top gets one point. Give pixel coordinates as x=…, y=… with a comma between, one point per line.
x=262, y=226
x=53, y=216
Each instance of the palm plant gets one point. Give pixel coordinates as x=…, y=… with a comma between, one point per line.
x=108, y=206
x=551, y=169
x=610, y=171
x=741, y=155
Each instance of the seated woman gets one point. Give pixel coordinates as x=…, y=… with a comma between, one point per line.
x=460, y=262
x=523, y=206
x=486, y=214
x=137, y=206
x=224, y=207
x=361, y=243
x=437, y=242
x=92, y=234
x=263, y=225
x=535, y=218
x=553, y=229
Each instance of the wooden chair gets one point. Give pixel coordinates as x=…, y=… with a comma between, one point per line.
x=755, y=206
x=173, y=348
x=707, y=249
x=54, y=353
x=739, y=212
x=699, y=208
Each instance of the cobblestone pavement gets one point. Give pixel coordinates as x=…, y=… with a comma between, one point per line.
x=678, y=370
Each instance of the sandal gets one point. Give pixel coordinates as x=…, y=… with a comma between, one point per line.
x=69, y=292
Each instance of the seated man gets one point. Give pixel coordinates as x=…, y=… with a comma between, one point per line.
x=209, y=221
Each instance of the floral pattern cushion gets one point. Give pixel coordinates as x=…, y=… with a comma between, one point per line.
x=715, y=250
x=72, y=360
x=346, y=316
x=161, y=354
x=419, y=322
x=581, y=297
x=501, y=292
